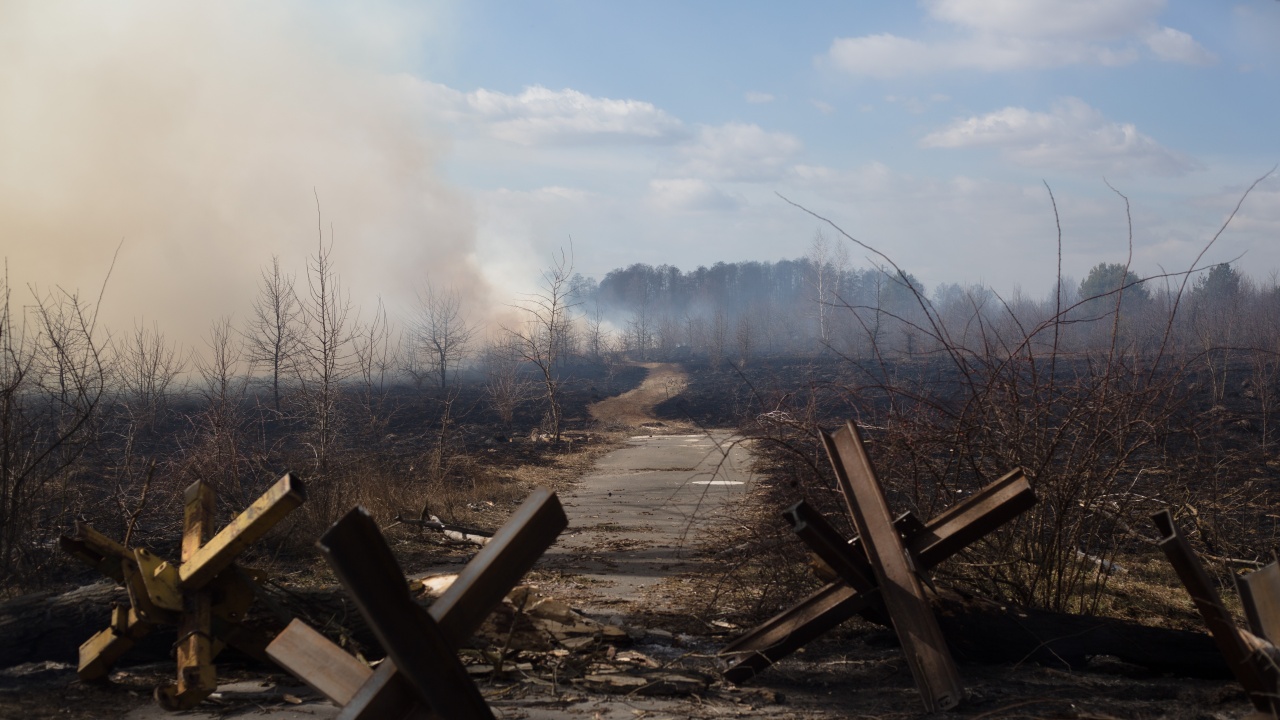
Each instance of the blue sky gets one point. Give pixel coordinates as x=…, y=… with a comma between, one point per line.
x=464, y=143
x=925, y=129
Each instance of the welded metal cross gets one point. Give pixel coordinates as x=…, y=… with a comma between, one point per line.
x=879, y=569
x=422, y=676
x=206, y=596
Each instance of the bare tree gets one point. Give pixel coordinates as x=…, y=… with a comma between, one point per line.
x=640, y=331
x=222, y=386
x=272, y=335
x=828, y=262
x=719, y=338
x=52, y=382
x=504, y=384
x=146, y=365
x=326, y=352
x=597, y=336
x=539, y=338
x=745, y=335
x=442, y=335
x=372, y=343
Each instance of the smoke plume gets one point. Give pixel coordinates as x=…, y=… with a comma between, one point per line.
x=197, y=133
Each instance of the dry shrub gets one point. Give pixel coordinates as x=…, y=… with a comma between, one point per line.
x=1095, y=398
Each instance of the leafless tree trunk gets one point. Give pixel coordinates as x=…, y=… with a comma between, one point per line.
x=220, y=426
x=52, y=382
x=326, y=351
x=272, y=334
x=372, y=346
x=719, y=339
x=640, y=332
x=745, y=335
x=503, y=382
x=442, y=335
x=828, y=261
x=539, y=339
x=147, y=365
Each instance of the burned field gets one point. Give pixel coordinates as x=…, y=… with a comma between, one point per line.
x=1088, y=622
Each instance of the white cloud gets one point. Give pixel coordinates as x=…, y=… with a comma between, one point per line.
x=1176, y=46
x=823, y=107
x=688, y=195
x=915, y=105
x=758, y=98
x=739, y=152
x=1073, y=136
x=1078, y=19
x=541, y=116
x=889, y=56
x=1004, y=35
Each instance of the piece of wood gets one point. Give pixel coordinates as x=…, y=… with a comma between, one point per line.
x=327, y=668
x=923, y=644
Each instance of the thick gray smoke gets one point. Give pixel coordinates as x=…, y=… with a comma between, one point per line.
x=197, y=132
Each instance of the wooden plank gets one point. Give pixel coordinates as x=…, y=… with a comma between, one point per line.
x=312, y=658
x=1213, y=612
x=913, y=620
x=363, y=562
x=1260, y=596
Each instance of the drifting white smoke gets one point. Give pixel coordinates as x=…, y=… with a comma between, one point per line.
x=197, y=132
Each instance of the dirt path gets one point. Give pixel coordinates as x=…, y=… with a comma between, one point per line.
x=634, y=516
x=634, y=408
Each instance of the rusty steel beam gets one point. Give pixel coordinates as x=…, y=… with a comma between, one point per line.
x=363, y=562
x=929, y=544
x=499, y=565
x=459, y=612
x=1257, y=682
x=312, y=658
x=917, y=628
x=793, y=628
x=1260, y=596
x=217, y=554
x=829, y=545
x=972, y=519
